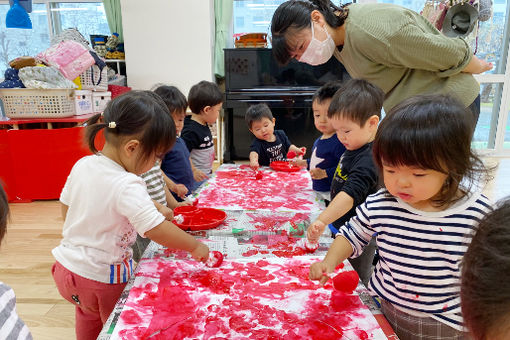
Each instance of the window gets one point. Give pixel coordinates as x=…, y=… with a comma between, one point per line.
x=87, y=16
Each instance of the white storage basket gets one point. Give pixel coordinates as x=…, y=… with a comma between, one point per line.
x=38, y=103
x=86, y=79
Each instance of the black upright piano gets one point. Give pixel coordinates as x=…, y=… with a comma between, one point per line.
x=253, y=76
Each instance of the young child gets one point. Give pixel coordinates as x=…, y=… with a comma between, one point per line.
x=11, y=326
x=422, y=218
x=205, y=100
x=105, y=204
x=484, y=291
x=269, y=144
x=354, y=113
x=177, y=164
x=327, y=149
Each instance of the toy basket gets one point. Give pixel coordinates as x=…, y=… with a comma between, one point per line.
x=37, y=103
x=86, y=79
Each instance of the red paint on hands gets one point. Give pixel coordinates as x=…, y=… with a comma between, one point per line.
x=346, y=281
x=291, y=154
x=215, y=259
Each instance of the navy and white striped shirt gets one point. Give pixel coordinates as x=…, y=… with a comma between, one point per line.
x=420, y=252
x=11, y=326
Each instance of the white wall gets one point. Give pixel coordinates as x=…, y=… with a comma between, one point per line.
x=168, y=41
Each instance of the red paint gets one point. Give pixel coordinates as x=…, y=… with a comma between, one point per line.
x=340, y=266
x=252, y=300
x=284, y=166
x=346, y=281
x=215, y=259
x=291, y=154
x=258, y=175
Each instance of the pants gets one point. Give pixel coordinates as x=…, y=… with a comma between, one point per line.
x=94, y=300
x=363, y=264
x=475, y=110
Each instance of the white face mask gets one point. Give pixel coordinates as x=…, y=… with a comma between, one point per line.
x=318, y=52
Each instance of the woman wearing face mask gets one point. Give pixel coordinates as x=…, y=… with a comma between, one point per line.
x=390, y=46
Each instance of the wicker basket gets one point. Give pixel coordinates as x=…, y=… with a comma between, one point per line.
x=37, y=103
x=86, y=79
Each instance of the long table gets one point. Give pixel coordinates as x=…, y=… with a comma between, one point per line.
x=261, y=290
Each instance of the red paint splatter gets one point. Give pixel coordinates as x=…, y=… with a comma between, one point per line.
x=440, y=229
x=215, y=259
x=346, y=281
x=340, y=266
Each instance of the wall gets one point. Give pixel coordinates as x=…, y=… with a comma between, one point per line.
x=168, y=42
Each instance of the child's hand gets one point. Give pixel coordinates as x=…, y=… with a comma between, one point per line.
x=180, y=190
x=315, y=230
x=302, y=151
x=201, y=252
x=254, y=165
x=318, y=173
x=299, y=162
x=183, y=203
x=319, y=271
x=199, y=175
x=167, y=212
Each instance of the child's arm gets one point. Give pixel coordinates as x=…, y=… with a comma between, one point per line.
x=340, y=250
x=179, y=189
x=172, y=202
x=171, y=236
x=477, y=65
x=198, y=175
x=298, y=151
x=165, y=211
x=254, y=160
x=338, y=207
x=318, y=173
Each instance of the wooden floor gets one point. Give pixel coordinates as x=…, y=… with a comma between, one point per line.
x=26, y=260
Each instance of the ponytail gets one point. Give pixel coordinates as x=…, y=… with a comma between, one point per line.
x=93, y=127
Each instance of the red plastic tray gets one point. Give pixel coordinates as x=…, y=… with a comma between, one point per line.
x=284, y=166
x=199, y=218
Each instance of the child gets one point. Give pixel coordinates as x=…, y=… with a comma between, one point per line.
x=11, y=326
x=484, y=291
x=354, y=113
x=422, y=218
x=105, y=204
x=269, y=145
x=205, y=101
x=327, y=149
x=177, y=164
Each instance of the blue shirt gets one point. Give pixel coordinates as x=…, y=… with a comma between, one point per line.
x=326, y=154
x=176, y=165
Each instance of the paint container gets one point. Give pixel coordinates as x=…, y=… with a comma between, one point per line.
x=284, y=166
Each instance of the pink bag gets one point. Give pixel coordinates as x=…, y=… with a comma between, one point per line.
x=69, y=57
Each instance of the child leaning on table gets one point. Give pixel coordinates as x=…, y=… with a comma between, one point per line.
x=177, y=165
x=205, y=100
x=269, y=144
x=422, y=219
x=354, y=112
x=11, y=325
x=327, y=149
x=105, y=204
x=484, y=291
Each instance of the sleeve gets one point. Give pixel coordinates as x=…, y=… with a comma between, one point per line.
x=256, y=146
x=361, y=179
x=190, y=138
x=358, y=230
x=12, y=326
x=135, y=204
x=413, y=48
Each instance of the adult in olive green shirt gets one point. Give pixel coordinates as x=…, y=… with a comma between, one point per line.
x=388, y=45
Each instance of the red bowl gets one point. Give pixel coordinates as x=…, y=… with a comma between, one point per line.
x=201, y=219
x=185, y=210
x=284, y=166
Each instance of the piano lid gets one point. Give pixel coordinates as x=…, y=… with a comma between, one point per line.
x=255, y=69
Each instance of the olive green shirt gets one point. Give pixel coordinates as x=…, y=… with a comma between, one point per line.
x=398, y=50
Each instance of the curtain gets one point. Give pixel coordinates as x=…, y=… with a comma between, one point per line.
x=114, y=17
x=223, y=19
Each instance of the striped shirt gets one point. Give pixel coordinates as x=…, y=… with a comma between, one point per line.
x=420, y=252
x=11, y=326
x=155, y=184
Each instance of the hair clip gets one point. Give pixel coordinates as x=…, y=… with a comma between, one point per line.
x=112, y=125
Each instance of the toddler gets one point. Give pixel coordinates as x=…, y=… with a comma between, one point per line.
x=269, y=144
x=205, y=100
x=422, y=219
x=105, y=204
x=327, y=149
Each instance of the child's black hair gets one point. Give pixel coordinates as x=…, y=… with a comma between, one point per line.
x=4, y=213
x=294, y=15
x=174, y=99
x=431, y=132
x=326, y=91
x=256, y=113
x=203, y=94
x=357, y=100
x=140, y=115
x=485, y=288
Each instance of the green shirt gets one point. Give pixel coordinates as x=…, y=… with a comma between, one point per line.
x=398, y=50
